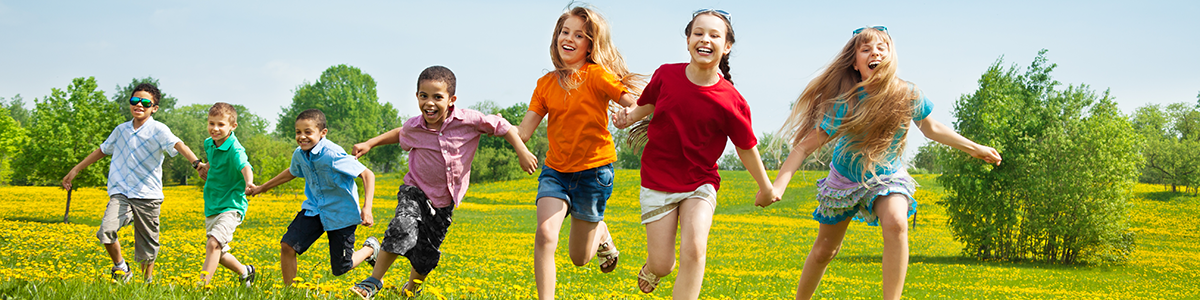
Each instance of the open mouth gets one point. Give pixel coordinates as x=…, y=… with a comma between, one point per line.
x=568, y=48
x=704, y=50
x=873, y=64
x=431, y=112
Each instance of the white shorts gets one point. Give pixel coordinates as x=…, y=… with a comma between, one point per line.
x=656, y=204
x=221, y=227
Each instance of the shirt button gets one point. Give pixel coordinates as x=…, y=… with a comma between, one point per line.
x=447, y=168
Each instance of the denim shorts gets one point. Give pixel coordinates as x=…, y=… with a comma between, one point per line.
x=585, y=191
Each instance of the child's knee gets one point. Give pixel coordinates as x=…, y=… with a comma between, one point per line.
x=545, y=237
x=212, y=245
x=661, y=268
x=825, y=255
x=286, y=250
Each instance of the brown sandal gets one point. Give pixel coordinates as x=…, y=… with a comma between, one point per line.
x=607, y=254
x=649, y=278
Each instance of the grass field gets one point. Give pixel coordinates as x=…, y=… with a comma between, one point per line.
x=753, y=253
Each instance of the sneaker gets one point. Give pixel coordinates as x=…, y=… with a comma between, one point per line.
x=248, y=279
x=121, y=275
x=374, y=244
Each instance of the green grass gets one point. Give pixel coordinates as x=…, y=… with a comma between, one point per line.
x=754, y=253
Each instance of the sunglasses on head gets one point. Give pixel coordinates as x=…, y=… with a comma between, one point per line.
x=145, y=102
x=876, y=27
x=718, y=11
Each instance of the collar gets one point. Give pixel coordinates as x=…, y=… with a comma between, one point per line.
x=149, y=120
x=229, y=141
x=320, y=146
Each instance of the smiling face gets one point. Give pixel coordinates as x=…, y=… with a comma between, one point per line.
x=220, y=126
x=308, y=134
x=707, y=40
x=139, y=112
x=434, y=100
x=574, y=46
x=869, y=55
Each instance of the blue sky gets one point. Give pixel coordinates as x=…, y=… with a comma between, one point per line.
x=255, y=53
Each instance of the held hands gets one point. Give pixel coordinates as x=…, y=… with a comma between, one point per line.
x=767, y=197
x=202, y=168
x=529, y=162
x=367, y=218
x=621, y=118
x=987, y=154
x=250, y=189
x=360, y=149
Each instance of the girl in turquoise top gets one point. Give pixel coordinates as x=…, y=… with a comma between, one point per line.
x=866, y=179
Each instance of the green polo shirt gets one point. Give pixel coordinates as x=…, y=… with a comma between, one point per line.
x=225, y=189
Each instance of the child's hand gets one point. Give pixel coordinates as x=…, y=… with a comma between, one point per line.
x=367, y=218
x=765, y=198
x=250, y=189
x=621, y=118
x=360, y=149
x=987, y=154
x=202, y=168
x=529, y=162
x=66, y=182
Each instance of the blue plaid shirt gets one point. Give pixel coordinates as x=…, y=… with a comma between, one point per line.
x=329, y=174
x=137, y=158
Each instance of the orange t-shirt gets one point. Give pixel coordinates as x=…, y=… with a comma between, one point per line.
x=578, y=119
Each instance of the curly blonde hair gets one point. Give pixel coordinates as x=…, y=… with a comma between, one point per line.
x=871, y=122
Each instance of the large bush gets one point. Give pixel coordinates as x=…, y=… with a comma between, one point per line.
x=1070, y=161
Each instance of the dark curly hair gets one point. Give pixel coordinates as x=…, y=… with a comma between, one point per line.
x=313, y=114
x=438, y=74
x=149, y=88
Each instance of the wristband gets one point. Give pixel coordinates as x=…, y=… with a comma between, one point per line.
x=196, y=164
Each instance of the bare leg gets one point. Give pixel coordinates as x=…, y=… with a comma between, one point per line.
x=212, y=256
x=550, y=213
x=383, y=263
x=287, y=263
x=232, y=263
x=148, y=270
x=893, y=217
x=585, y=238
x=412, y=285
x=824, y=249
x=114, y=252
x=660, y=246
x=695, y=218
x=360, y=255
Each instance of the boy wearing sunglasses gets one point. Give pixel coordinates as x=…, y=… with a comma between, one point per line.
x=134, y=181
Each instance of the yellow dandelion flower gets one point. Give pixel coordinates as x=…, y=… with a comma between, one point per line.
x=418, y=281
x=208, y=286
x=298, y=279
x=408, y=293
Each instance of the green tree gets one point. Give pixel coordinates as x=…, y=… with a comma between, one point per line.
x=352, y=110
x=1070, y=161
x=16, y=109
x=1173, y=135
x=773, y=149
x=13, y=138
x=628, y=156
x=64, y=128
x=495, y=159
x=190, y=124
x=928, y=158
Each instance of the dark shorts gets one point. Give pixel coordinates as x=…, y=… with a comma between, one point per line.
x=418, y=229
x=305, y=230
x=585, y=191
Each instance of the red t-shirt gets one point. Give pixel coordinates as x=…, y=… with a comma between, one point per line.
x=687, y=134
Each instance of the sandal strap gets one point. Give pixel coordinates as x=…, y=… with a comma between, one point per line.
x=648, y=276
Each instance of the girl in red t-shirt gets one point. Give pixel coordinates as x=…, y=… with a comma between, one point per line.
x=577, y=178
x=695, y=111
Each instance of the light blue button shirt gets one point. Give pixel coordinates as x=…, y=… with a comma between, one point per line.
x=137, y=158
x=329, y=174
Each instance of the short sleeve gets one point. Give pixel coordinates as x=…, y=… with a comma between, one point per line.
x=537, y=103
x=494, y=125
x=923, y=108
x=651, y=91
x=297, y=157
x=606, y=83
x=243, y=161
x=741, y=132
x=833, y=118
x=347, y=164
x=109, y=146
x=167, y=140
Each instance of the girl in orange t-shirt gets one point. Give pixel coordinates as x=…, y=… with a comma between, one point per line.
x=577, y=178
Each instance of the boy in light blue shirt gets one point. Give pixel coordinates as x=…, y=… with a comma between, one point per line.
x=332, y=199
x=135, y=192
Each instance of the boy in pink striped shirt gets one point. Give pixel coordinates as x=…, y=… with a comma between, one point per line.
x=441, y=144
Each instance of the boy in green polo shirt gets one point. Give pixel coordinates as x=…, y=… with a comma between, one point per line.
x=224, y=192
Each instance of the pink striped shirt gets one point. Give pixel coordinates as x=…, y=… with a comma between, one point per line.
x=439, y=161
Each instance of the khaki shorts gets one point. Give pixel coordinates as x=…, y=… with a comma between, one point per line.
x=656, y=204
x=142, y=214
x=221, y=227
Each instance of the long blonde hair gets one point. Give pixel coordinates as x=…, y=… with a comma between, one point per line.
x=603, y=53
x=872, y=121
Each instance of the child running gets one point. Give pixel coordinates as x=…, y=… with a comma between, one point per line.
x=695, y=112
x=577, y=177
x=441, y=144
x=331, y=200
x=134, y=181
x=858, y=103
x=224, y=192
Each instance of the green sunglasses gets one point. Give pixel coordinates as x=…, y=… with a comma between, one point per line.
x=876, y=27
x=145, y=102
